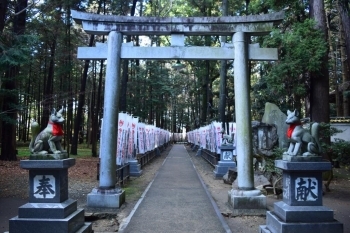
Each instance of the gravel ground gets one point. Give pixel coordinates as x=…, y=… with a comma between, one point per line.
x=82, y=179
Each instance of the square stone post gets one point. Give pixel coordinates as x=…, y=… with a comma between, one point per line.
x=107, y=194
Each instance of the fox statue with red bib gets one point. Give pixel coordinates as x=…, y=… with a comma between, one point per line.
x=301, y=141
x=48, y=141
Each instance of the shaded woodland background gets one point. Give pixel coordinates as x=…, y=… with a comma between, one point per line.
x=40, y=71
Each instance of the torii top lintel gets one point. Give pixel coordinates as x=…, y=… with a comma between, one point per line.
x=103, y=24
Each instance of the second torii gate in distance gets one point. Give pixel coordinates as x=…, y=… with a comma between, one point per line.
x=240, y=27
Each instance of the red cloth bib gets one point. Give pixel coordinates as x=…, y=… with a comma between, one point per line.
x=291, y=129
x=56, y=129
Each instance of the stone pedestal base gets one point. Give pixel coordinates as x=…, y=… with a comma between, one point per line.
x=289, y=213
x=102, y=198
x=301, y=209
x=135, y=168
x=275, y=225
x=49, y=209
x=222, y=167
x=250, y=202
x=72, y=223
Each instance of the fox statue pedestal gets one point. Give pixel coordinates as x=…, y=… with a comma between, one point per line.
x=301, y=209
x=49, y=208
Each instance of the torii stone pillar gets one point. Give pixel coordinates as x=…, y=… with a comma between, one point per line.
x=246, y=199
x=107, y=194
x=243, y=116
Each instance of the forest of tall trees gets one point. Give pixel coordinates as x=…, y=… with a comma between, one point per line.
x=40, y=70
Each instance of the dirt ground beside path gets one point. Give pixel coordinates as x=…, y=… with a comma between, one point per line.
x=82, y=178
x=338, y=199
x=219, y=192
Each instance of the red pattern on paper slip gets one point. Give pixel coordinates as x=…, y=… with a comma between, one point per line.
x=291, y=129
x=56, y=129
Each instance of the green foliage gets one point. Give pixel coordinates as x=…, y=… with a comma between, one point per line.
x=301, y=48
x=285, y=82
x=339, y=150
x=327, y=131
x=270, y=161
x=15, y=49
x=149, y=88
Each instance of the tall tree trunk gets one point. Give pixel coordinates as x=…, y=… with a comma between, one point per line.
x=69, y=76
x=10, y=101
x=92, y=112
x=150, y=111
x=95, y=123
x=223, y=75
x=123, y=85
x=319, y=87
x=319, y=93
x=345, y=54
x=3, y=9
x=69, y=121
x=8, y=139
x=81, y=103
x=205, y=94
x=173, y=118
x=125, y=74
x=48, y=90
x=346, y=79
x=344, y=13
x=334, y=76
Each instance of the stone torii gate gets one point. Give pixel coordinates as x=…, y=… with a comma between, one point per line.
x=241, y=27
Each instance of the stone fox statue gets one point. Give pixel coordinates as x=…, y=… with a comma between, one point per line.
x=48, y=140
x=301, y=140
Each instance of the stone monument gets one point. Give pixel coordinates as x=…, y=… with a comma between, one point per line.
x=49, y=208
x=273, y=115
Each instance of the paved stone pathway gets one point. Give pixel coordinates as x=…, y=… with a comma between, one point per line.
x=176, y=201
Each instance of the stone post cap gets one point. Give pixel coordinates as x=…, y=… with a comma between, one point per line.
x=303, y=166
x=47, y=164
